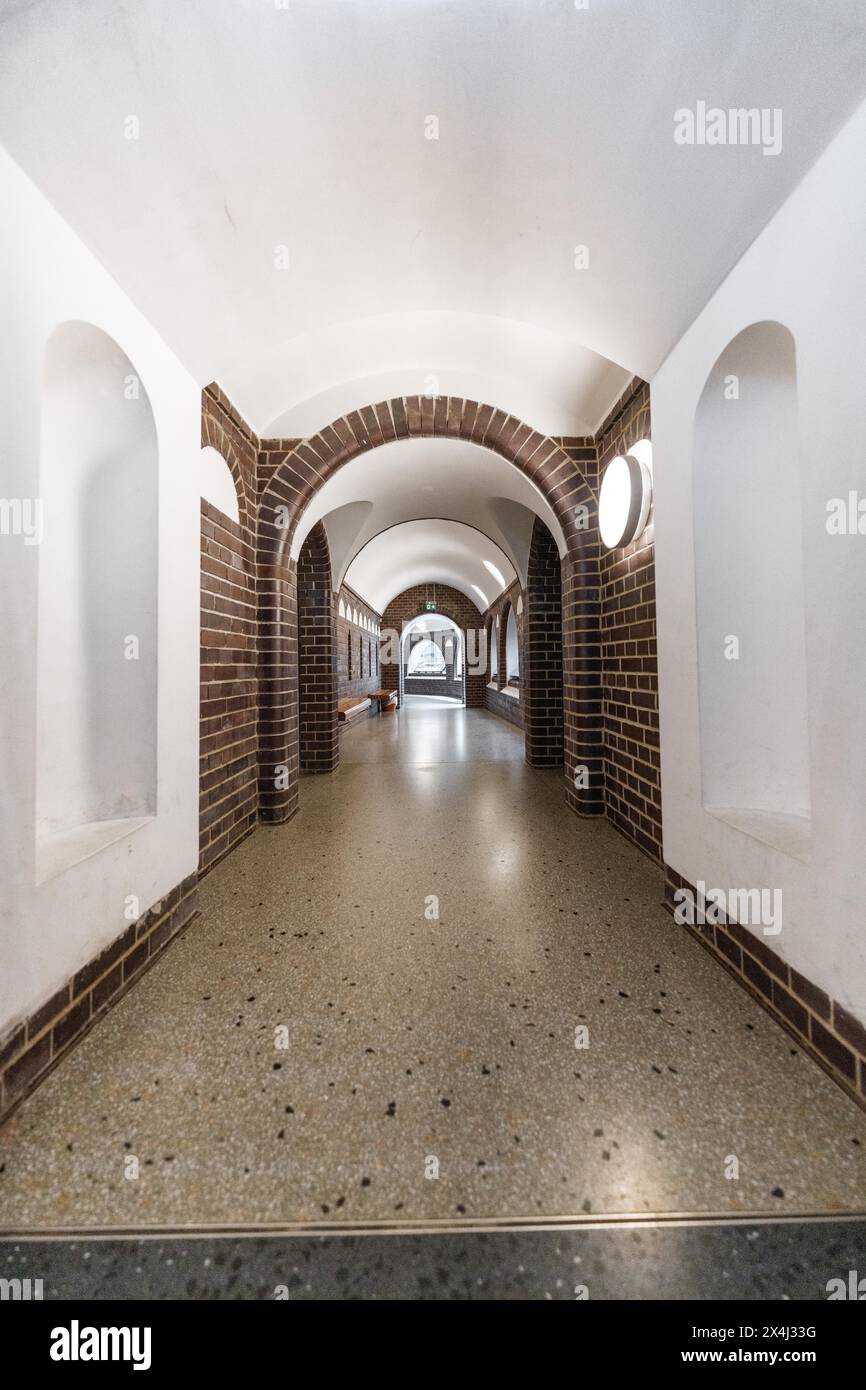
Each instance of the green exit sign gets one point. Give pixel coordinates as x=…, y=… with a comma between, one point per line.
x=431, y=607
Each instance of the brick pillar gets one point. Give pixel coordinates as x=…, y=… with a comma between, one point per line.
x=583, y=733
x=541, y=684
x=318, y=736
x=474, y=683
x=278, y=690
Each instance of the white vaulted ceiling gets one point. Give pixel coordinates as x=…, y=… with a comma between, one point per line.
x=451, y=481
x=429, y=552
x=304, y=127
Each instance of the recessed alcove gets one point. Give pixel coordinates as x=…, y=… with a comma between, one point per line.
x=750, y=597
x=96, y=762
x=512, y=656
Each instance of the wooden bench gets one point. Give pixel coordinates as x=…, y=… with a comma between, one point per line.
x=351, y=708
x=387, y=699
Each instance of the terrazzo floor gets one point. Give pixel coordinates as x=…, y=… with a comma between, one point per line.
x=429, y=1072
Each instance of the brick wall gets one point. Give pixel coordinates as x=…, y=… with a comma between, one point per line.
x=229, y=685
x=632, y=773
x=357, y=646
x=448, y=686
x=541, y=653
x=318, y=739
x=453, y=604
x=506, y=706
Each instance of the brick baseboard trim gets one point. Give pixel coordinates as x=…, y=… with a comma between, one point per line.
x=830, y=1035
x=31, y=1050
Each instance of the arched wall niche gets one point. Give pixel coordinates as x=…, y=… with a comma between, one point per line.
x=96, y=766
x=512, y=646
x=750, y=597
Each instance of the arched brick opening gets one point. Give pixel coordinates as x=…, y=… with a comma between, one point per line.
x=295, y=472
x=318, y=736
x=450, y=603
x=454, y=671
x=541, y=676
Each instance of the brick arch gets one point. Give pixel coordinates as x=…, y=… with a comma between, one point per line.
x=295, y=471
x=298, y=468
x=450, y=603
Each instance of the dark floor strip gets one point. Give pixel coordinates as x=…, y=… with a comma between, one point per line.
x=781, y=1260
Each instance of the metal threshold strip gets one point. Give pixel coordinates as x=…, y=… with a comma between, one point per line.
x=477, y=1226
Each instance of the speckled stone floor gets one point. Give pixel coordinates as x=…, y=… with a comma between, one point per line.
x=417, y=1045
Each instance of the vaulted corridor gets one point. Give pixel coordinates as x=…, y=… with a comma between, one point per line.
x=429, y=1071
x=432, y=534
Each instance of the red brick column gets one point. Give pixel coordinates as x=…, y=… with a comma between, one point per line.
x=450, y=603
x=278, y=691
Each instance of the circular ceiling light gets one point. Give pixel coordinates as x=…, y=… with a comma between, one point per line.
x=624, y=500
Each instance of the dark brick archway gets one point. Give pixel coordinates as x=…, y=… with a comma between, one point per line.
x=295, y=470
x=450, y=603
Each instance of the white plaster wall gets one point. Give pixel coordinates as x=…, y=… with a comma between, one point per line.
x=807, y=271
x=49, y=931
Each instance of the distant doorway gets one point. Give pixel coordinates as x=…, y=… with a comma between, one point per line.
x=432, y=660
